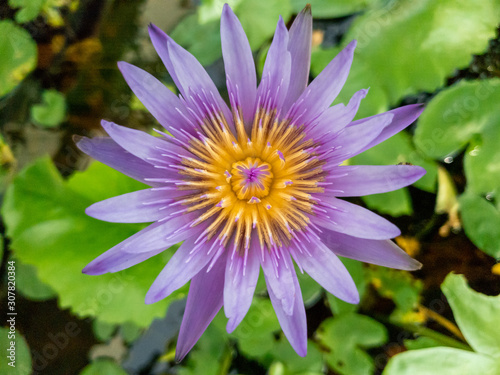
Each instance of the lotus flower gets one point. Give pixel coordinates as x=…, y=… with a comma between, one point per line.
x=253, y=184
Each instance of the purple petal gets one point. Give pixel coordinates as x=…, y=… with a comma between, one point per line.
x=383, y=253
x=238, y=63
x=324, y=89
x=299, y=46
x=150, y=241
x=194, y=79
x=353, y=139
x=327, y=269
x=204, y=301
x=160, y=42
x=165, y=234
x=181, y=268
x=403, y=117
x=239, y=285
x=294, y=326
x=163, y=104
x=276, y=74
x=354, y=220
x=115, y=260
x=359, y=180
x=188, y=74
x=141, y=144
x=137, y=207
x=280, y=278
x=107, y=151
x=339, y=116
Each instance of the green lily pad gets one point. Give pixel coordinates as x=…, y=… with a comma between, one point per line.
x=255, y=332
x=202, y=40
x=311, y=290
x=421, y=342
x=29, y=285
x=287, y=362
x=20, y=363
x=465, y=115
x=397, y=149
x=18, y=55
x=47, y=225
x=53, y=110
x=477, y=315
x=103, y=366
x=259, y=18
x=200, y=32
x=443, y=361
x=347, y=337
x=395, y=203
x=408, y=47
x=357, y=272
x=481, y=220
x=402, y=288
x=334, y=8
x=210, y=355
x=30, y=9
x=103, y=331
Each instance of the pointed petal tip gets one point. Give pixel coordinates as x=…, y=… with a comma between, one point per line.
x=77, y=138
x=227, y=10
x=420, y=171
x=351, y=46
x=232, y=323
x=151, y=298
x=89, y=211
x=155, y=32
x=106, y=124
x=307, y=9
x=123, y=66
x=414, y=265
x=153, y=27
x=299, y=345
x=302, y=351
x=93, y=269
x=180, y=355
x=353, y=298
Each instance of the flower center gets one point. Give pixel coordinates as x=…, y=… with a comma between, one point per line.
x=259, y=183
x=251, y=179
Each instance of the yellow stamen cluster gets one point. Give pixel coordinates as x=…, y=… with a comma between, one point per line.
x=262, y=181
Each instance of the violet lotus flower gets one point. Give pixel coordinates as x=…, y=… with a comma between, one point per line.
x=253, y=184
